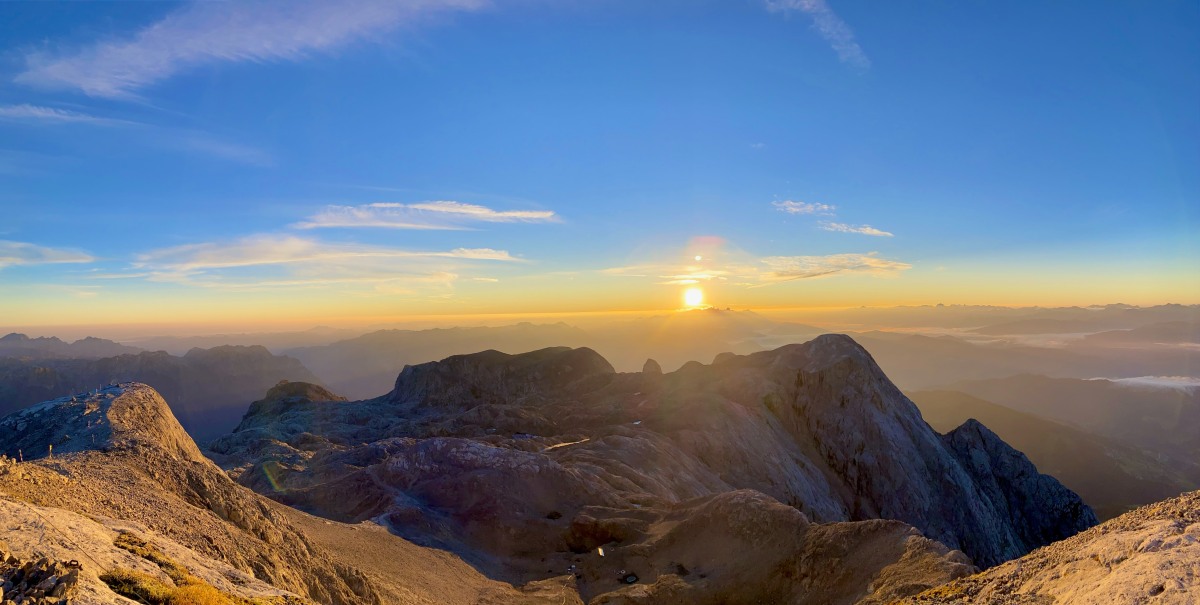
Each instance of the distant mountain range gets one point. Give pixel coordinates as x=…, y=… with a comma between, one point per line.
x=22, y=346
x=275, y=341
x=209, y=388
x=1163, y=421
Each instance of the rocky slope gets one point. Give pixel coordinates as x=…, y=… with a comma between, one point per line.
x=207, y=388
x=120, y=453
x=528, y=464
x=76, y=550
x=1149, y=555
x=124, y=492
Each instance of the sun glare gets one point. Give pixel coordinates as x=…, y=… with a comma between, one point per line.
x=693, y=297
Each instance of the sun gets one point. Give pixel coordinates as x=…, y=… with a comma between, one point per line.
x=693, y=297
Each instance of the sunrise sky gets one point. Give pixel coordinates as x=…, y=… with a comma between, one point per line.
x=315, y=162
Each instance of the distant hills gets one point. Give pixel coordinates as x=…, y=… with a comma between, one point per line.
x=22, y=346
x=1112, y=477
x=1159, y=420
x=275, y=341
x=209, y=388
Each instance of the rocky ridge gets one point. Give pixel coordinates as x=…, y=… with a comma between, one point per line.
x=527, y=465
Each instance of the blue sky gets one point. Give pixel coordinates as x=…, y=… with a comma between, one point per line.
x=371, y=159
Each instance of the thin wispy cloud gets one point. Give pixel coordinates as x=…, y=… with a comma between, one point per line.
x=38, y=114
x=206, y=33
x=739, y=269
x=274, y=250
x=272, y=262
x=792, y=207
x=829, y=26
x=862, y=229
x=791, y=268
x=206, y=144
x=444, y=215
x=23, y=253
x=191, y=141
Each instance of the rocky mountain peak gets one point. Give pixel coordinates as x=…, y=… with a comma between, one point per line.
x=651, y=368
x=1011, y=481
x=123, y=416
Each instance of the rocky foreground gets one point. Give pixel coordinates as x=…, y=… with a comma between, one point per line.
x=126, y=494
x=1149, y=555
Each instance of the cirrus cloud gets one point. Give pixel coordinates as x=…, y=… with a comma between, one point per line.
x=272, y=250
x=273, y=261
x=443, y=215
x=863, y=229
x=24, y=253
x=52, y=115
x=829, y=25
x=792, y=207
x=790, y=268
x=740, y=269
x=204, y=33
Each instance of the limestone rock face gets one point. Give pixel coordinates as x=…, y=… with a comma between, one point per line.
x=1007, y=478
x=119, y=452
x=123, y=416
x=78, y=550
x=525, y=463
x=1148, y=555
